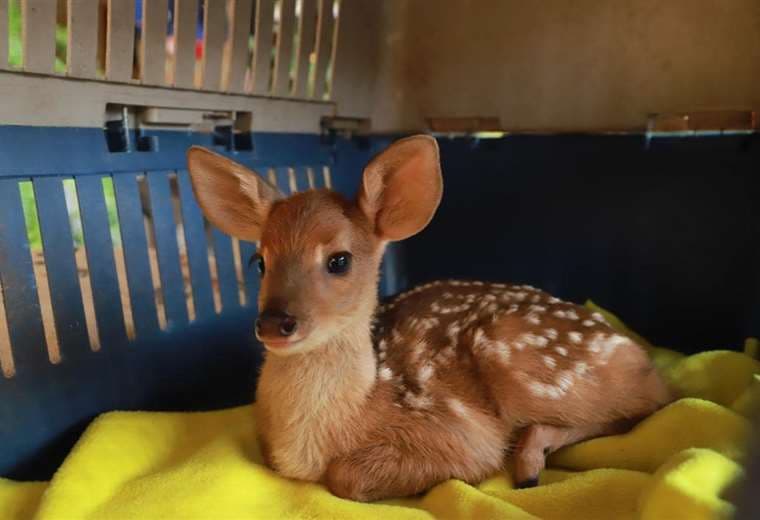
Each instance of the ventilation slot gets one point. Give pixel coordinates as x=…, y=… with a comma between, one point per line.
x=80, y=255
x=150, y=235
x=15, y=48
x=118, y=255
x=327, y=175
x=238, y=271
x=182, y=246
x=29, y=204
x=272, y=177
x=292, y=182
x=7, y=365
x=333, y=49
x=212, y=267
x=276, y=37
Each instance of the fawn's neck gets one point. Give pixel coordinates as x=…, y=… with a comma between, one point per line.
x=334, y=379
x=313, y=404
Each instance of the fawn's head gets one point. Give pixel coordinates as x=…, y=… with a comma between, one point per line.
x=319, y=252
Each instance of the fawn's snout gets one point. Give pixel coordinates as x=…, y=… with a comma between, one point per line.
x=276, y=327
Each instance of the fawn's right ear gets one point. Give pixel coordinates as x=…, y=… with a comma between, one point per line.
x=232, y=197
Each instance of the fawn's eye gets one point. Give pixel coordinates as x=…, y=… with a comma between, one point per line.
x=259, y=260
x=339, y=263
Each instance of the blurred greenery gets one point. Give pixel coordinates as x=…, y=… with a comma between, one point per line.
x=30, y=214
x=15, y=46
x=29, y=204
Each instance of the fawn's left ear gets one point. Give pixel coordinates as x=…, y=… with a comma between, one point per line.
x=232, y=197
x=402, y=187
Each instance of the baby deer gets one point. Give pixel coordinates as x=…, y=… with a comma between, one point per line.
x=448, y=380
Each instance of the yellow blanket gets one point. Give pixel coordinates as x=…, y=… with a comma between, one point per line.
x=676, y=464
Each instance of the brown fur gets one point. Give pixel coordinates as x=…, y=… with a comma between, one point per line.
x=441, y=382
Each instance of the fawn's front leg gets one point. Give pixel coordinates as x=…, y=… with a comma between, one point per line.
x=412, y=464
x=378, y=472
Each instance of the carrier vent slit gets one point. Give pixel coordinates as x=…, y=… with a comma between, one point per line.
x=7, y=364
x=28, y=200
x=213, y=271
x=150, y=234
x=196, y=247
x=187, y=280
x=83, y=269
x=292, y=183
x=238, y=271
x=118, y=254
x=327, y=176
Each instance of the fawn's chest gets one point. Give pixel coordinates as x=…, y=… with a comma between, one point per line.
x=310, y=414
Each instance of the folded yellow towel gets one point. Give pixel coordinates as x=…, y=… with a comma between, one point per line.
x=675, y=464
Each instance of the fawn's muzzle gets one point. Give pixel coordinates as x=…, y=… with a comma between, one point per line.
x=275, y=325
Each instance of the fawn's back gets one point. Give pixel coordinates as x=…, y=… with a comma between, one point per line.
x=513, y=351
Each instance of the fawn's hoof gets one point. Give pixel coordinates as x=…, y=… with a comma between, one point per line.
x=527, y=483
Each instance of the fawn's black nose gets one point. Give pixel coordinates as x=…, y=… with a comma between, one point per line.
x=275, y=324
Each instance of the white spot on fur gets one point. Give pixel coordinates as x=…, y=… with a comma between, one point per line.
x=457, y=406
x=534, y=340
x=470, y=319
x=559, y=314
x=419, y=402
x=425, y=373
x=551, y=334
x=575, y=337
x=536, y=298
x=538, y=308
x=580, y=368
x=429, y=323
x=543, y=390
x=520, y=296
x=550, y=361
x=419, y=347
x=562, y=351
x=383, y=345
x=453, y=330
x=381, y=355
x=448, y=295
x=552, y=300
x=571, y=315
x=490, y=347
x=477, y=283
x=513, y=308
x=533, y=319
x=588, y=323
x=611, y=344
x=386, y=374
x=598, y=317
x=565, y=380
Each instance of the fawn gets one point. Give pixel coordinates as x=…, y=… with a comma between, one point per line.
x=447, y=380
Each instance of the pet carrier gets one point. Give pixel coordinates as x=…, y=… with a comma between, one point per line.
x=595, y=150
